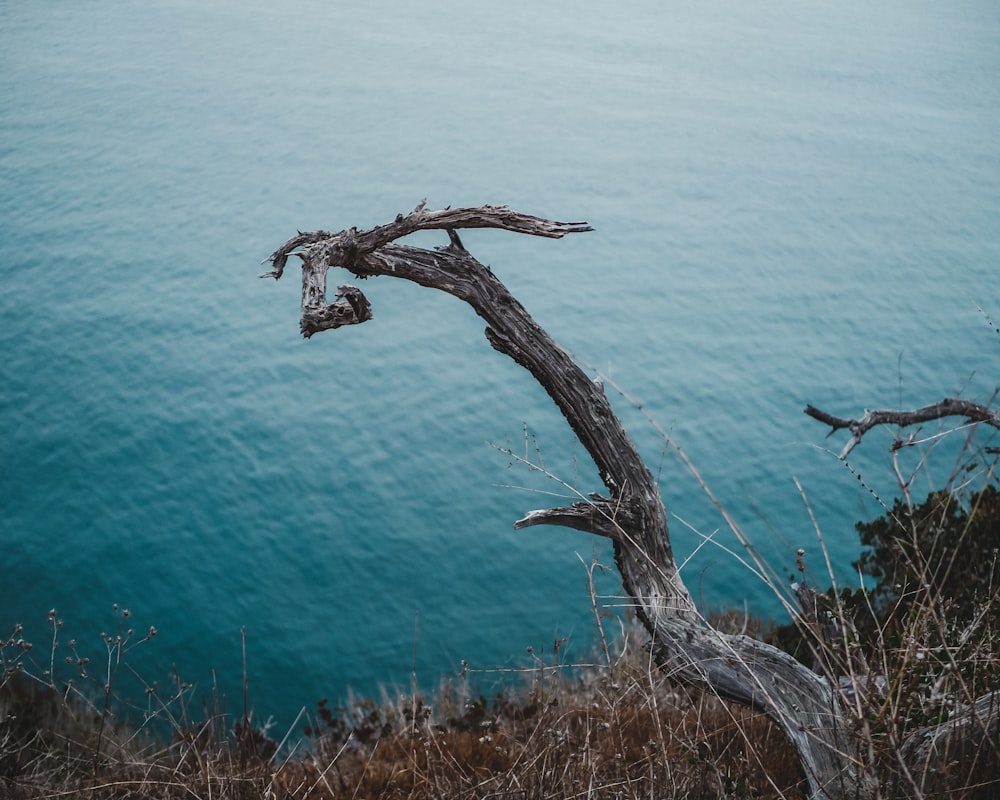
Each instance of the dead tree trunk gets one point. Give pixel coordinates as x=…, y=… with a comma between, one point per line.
x=631, y=513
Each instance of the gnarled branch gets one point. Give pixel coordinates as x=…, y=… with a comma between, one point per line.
x=949, y=407
x=345, y=246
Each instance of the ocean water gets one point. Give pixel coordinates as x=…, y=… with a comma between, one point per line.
x=797, y=203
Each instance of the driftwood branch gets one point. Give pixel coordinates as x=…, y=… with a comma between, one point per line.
x=949, y=407
x=803, y=704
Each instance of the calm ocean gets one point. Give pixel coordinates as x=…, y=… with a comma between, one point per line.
x=793, y=202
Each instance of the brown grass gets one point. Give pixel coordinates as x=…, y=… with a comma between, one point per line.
x=622, y=733
x=615, y=732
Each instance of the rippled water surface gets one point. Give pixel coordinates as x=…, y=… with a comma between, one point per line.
x=793, y=204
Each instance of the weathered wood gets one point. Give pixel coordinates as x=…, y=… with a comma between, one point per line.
x=970, y=735
x=632, y=514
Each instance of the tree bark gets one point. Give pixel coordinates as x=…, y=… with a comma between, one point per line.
x=803, y=704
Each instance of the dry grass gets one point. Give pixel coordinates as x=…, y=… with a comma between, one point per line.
x=615, y=732
x=622, y=733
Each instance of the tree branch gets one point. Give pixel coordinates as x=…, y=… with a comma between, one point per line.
x=949, y=407
x=343, y=247
x=597, y=516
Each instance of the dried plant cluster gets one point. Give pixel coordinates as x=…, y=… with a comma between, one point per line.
x=916, y=652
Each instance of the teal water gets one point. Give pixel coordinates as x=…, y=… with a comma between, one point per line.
x=793, y=204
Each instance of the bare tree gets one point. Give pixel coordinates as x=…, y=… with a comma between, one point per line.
x=809, y=708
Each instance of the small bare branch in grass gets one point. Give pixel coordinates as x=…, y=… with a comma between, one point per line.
x=975, y=413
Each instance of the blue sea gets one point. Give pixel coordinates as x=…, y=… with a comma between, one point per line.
x=792, y=203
